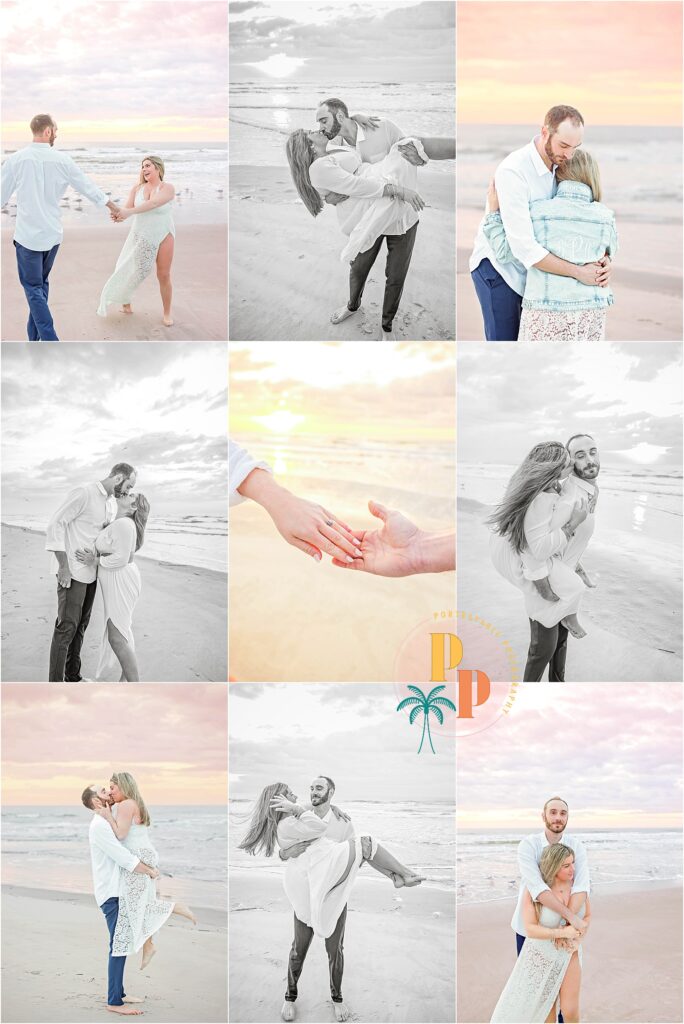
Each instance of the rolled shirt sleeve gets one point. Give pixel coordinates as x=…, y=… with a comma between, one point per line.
x=581, y=881
x=79, y=181
x=327, y=176
x=106, y=841
x=529, y=869
x=240, y=465
x=66, y=513
x=514, y=202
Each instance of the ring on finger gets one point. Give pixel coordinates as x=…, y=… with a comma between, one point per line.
x=328, y=522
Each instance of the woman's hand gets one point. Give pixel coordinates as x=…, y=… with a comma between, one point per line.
x=86, y=555
x=568, y=932
x=414, y=199
x=311, y=528
x=579, y=514
x=369, y=124
x=492, y=198
x=281, y=803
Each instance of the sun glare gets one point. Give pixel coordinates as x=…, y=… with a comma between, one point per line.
x=278, y=65
x=281, y=422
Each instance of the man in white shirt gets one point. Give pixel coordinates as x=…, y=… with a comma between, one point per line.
x=340, y=829
x=548, y=645
x=76, y=524
x=525, y=175
x=40, y=174
x=107, y=856
x=555, y=817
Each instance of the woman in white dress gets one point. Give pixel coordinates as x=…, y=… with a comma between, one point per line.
x=549, y=968
x=531, y=529
x=318, y=881
x=120, y=585
x=141, y=912
x=150, y=240
x=383, y=192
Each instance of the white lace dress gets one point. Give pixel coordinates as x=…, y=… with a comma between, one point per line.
x=535, y=981
x=139, y=254
x=141, y=912
x=555, y=325
x=120, y=585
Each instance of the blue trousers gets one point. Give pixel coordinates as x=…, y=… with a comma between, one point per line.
x=519, y=943
x=34, y=269
x=116, y=964
x=501, y=306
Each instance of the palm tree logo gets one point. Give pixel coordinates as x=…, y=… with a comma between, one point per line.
x=428, y=705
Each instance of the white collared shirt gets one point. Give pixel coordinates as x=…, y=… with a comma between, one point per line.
x=375, y=145
x=76, y=524
x=107, y=855
x=40, y=175
x=240, y=465
x=338, y=831
x=529, y=854
x=576, y=490
x=520, y=178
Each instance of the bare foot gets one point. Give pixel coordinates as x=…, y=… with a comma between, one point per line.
x=126, y=308
x=398, y=880
x=134, y=999
x=543, y=588
x=341, y=1011
x=342, y=313
x=288, y=1011
x=125, y=1011
x=167, y=321
x=587, y=580
x=572, y=625
x=413, y=879
x=148, y=952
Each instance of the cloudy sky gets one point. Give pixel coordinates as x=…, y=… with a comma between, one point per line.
x=344, y=389
x=55, y=741
x=382, y=41
x=116, y=70
x=614, y=753
x=628, y=396
x=619, y=63
x=70, y=412
x=291, y=732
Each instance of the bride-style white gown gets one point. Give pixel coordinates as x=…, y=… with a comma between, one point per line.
x=120, y=585
x=533, y=987
x=141, y=912
x=310, y=880
x=139, y=254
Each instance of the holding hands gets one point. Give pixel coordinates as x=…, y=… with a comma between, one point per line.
x=400, y=548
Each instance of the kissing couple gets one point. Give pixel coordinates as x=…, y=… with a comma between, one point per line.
x=322, y=857
x=40, y=174
x=368, y=169
x=125, y=867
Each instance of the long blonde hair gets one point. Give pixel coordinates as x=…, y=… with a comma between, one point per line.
x=263, y=825
x=550, y=864
x=582, y=168
x=129, y=788
x=538, y=470
x=300, y=156
x=158, y=163
x=139, y=515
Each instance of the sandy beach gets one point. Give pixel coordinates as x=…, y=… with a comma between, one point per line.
x=633, y=618
x=648, y=304
x=179, y=622
x=398, y=954
x=629, y=974
x=86, y=259
x=286, y=277
x=54, y=954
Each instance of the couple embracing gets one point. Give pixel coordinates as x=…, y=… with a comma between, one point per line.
x=39, y=174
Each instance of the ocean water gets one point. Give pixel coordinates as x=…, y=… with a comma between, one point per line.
x=47, y=848
x=641, y=167
x=197, y=170
x=200, y=541
x=487, y=868
x=421, y=835
x=263, y=114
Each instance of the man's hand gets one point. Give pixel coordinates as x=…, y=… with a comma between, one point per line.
x=296, y=849
x=369, y=124
x=86, y=555
x=333, y=198
x=63, y=570
x=410, y=153
x=154, y=873
x=339, y=814
x=593, y=274
x=492, y=197
x=390, y=551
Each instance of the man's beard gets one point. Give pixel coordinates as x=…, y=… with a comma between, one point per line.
x=334, y=131
x=559, y=161
x=587, y=473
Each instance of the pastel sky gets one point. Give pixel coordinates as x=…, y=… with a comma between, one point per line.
x=342, y=42
x=628, y=396
x=116, y=70
x=70, y=412
x=343, y=389
x=619, y=63
x=291, y=732
x=56, y=741
x=614, y=753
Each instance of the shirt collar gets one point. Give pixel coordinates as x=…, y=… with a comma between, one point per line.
x=575, y=190
x=537, y=162
x=101, y=489
x=584, y=485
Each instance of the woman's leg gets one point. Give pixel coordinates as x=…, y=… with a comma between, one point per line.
x=124, y=652
x=148, y=951
x=387, y=864
x=183, y=911
x=573, y=625
x=164, y=260
x=439, y=148
x=570, y=991
x=351, y=857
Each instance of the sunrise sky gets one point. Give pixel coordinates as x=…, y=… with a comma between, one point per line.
x=116, y=70
x=69, y=412
x=172, y=739
x=402, y=392
x=629, y=396
x=614, y=753
x=619, y=63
